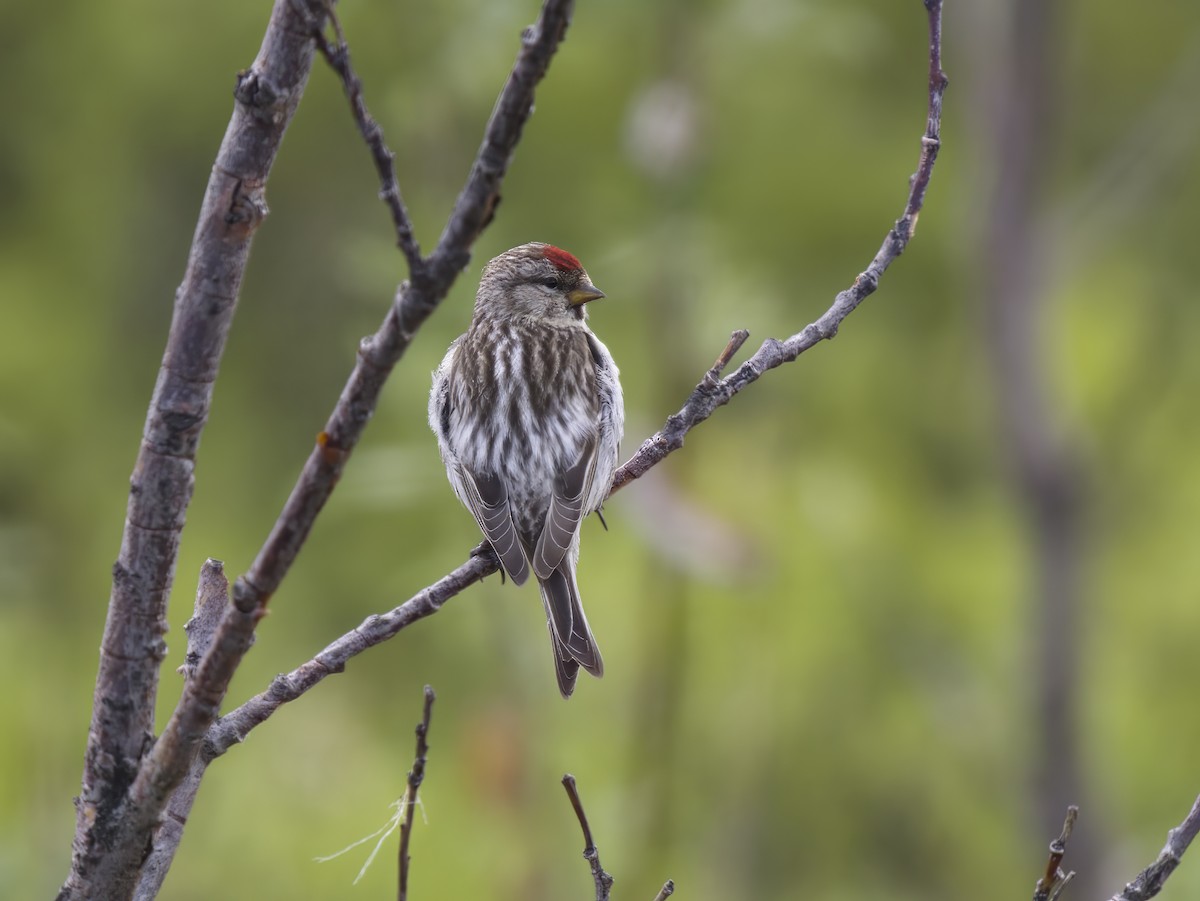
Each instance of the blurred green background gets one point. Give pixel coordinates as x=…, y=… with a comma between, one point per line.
x=821, y=620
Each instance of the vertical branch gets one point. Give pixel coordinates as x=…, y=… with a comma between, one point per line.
x=212, y=601
x=415, y=777
x=1054, y=880
x=591, y=854
x=132, y=648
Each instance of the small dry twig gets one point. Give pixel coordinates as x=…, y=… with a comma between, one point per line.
x=415, y=777
x=602, y=879
x=338, y=57
x=1052, y=883
x=591, y=854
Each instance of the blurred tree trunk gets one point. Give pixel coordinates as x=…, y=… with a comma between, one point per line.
x=1018, y=124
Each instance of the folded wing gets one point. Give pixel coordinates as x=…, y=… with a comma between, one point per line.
x=565, y=512
x=487, y=497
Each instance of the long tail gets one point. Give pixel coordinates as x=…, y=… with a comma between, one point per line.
x=570, y=636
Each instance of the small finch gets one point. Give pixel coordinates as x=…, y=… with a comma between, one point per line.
x=528, y=414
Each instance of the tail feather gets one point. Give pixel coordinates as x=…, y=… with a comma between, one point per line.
x=565, y=669
x=574, y=644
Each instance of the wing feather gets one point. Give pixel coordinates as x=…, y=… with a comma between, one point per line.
x=487, y=499
x=565, y=512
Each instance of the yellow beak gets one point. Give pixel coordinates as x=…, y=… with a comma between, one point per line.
x=584, y=293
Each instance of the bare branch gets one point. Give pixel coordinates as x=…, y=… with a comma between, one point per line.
x=338, y=57
x=603, y=881
x=234, y=726
x=415, y=777
x=170, y=831
x=212, y=599
x=132, y=648
x=1150, y=881
x=1054, y=880
x=212, y=596
x=590, y=853
x=710, y=393
x=168, y=761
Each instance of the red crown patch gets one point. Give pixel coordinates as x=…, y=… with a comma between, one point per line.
x=561, y=260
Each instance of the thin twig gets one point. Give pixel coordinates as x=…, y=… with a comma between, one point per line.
x=415, y=777
x=235, y=725
x=338, y=57
x=232, y=728
x=666, y=891
x=602, y=880
x=1150, y=881
x=708, y=395
x=1054, y=880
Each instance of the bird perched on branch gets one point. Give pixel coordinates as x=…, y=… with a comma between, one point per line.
x=528, y=414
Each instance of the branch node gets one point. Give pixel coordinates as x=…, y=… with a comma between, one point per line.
x=713, y=377
x=256, y=91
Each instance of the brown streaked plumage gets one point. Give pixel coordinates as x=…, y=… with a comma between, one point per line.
x=528, y=414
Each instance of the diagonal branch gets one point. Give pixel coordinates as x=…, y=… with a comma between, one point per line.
x=236, y=725
x=1150, y=881
x=338, y=57
x=132, y=648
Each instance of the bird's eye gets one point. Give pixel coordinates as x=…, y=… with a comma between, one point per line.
x=551, y=282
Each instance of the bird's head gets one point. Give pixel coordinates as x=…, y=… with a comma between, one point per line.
x=536, y=281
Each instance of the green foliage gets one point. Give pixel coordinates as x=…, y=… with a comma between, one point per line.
x=839, y=704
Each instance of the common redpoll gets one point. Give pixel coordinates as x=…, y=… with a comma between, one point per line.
x=528, y=414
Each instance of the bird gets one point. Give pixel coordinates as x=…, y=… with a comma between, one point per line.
x=528, y=413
